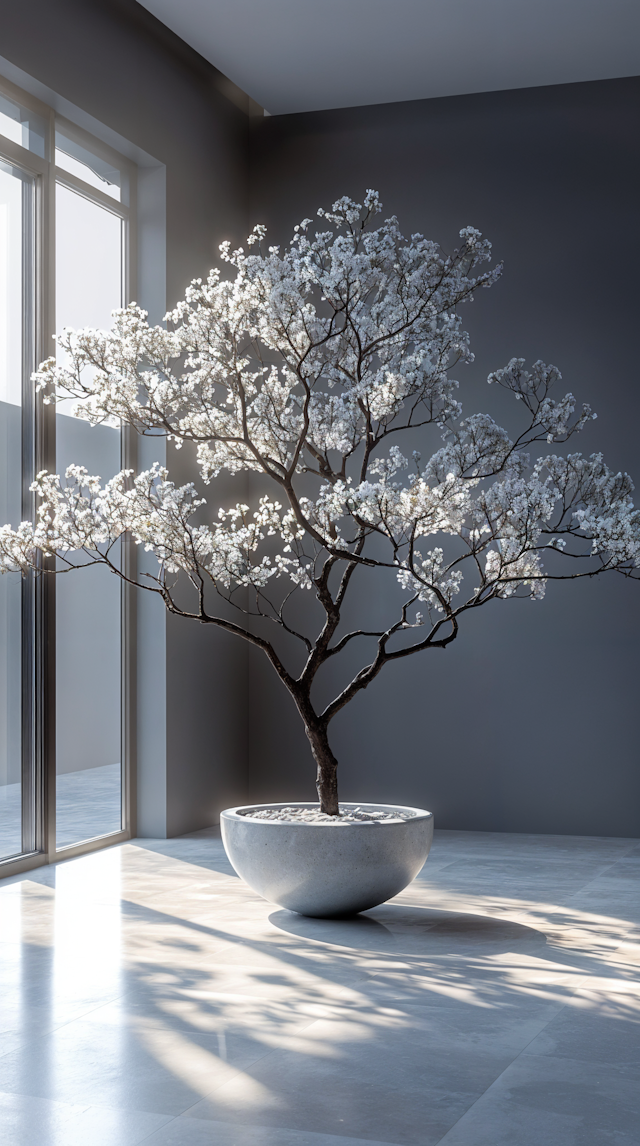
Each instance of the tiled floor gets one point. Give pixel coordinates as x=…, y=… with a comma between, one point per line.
x=87, y=805
x=149, y=996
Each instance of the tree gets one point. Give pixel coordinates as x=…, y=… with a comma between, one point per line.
x=308, y=368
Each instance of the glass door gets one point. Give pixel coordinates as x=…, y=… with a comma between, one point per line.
x=89, y=285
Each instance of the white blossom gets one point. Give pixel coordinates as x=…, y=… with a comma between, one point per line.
x=308, y=365
x=430, y=580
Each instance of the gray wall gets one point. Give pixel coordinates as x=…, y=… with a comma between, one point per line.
x=529, y=722
x=114, y=61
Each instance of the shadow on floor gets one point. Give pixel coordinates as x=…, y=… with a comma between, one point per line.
x=413, y=931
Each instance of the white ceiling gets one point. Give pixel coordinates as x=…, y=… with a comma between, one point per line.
x=303, y=55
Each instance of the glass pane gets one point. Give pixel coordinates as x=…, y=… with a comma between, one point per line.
x=88, y=706
x=22, y=126
x=16, y=207
x=97, y=172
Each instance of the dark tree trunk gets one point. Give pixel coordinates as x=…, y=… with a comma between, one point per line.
x=327, y=769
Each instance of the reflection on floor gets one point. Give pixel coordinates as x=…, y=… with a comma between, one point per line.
x=87, y=805
x=149, y=996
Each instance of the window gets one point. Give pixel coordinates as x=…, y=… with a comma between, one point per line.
x=89, y=286
x=65, y=221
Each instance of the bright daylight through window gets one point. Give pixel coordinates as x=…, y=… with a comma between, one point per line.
x=89, y=277
x=87, y=245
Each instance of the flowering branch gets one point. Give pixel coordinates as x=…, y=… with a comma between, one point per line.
x=304, y=367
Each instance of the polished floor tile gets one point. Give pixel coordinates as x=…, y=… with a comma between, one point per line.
x=30, y=1121
x=194, y=1132
x=553, y=1102
x=147, y=995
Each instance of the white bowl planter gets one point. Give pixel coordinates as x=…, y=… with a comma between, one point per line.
x=325, y=869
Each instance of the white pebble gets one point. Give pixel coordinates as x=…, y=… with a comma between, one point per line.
x=313, y=815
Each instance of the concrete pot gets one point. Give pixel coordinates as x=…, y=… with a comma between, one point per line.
x=324, y=869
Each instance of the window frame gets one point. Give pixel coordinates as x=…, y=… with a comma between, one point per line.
x=39, y=452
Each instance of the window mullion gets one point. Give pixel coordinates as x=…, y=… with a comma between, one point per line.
x=93, y=193
x=46, y=587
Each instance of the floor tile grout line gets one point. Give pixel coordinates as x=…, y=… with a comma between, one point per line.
x=599, y=875
x=58, y=1027
x=629, y=923
x=170, y=1119
x=287, y=1129
x=239, y=1071
x=522, y=1051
